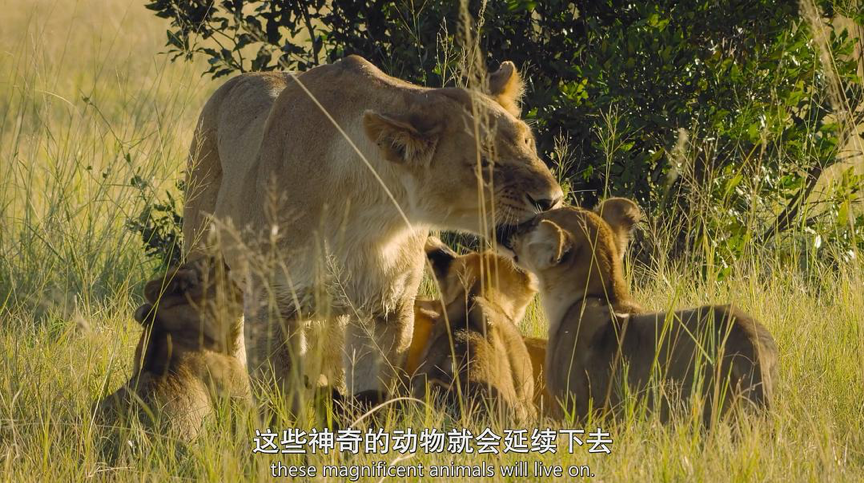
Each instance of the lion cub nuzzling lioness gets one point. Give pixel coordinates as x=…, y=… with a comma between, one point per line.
x=598, y=335
x=183, y=360
x=477, y=346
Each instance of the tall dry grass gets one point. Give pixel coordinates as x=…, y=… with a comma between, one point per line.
x=86, y=104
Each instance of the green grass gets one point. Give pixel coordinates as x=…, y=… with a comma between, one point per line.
x=86, y=104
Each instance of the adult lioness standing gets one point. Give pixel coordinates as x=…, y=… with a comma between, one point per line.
x=272, y=136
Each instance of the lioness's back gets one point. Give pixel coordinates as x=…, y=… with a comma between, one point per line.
x=229, y=129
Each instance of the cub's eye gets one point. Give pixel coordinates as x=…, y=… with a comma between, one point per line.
x=485, y=163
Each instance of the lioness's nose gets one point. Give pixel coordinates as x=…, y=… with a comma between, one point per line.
x=544, y=204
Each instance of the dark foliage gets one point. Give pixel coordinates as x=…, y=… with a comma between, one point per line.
x=159, y=224
x=618, y=80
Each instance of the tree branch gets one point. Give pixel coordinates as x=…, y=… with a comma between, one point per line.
x=307, y=21
x=787, y=216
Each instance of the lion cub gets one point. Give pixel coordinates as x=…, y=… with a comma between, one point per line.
x=537, y=352
x=480, y=349
x=183, y=362
x=598, y=335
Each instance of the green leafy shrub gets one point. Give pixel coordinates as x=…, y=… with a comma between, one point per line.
x=159, y=224
x=618, y=81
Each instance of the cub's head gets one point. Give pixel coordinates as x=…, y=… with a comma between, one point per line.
x=579, y=249
x=468, y=161
x=193, y=305
x=496, y=279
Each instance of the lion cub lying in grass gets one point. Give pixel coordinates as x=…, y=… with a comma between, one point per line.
x=182, y=362
x=487, y=361
x=596, y=329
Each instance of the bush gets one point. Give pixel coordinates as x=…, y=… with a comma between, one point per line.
x=159, y=224
x=765, y=92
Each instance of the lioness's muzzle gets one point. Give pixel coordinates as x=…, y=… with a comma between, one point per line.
x=544, y=204
x=504, y=233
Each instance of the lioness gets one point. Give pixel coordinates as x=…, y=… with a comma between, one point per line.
x=336, y=175
x=183, y=362
x=595, y=327
x=477, y=345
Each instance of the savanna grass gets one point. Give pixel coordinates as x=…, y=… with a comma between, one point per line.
x=86, y=105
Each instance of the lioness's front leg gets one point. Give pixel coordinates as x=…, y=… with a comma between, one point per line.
x=275, y=343
x=375, y=350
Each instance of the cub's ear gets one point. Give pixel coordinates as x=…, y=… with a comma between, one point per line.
x=547, y=245
x=506, y=86
x=178, y=282
x=153, y=290
x=440, y=256
x=622, y=215
x=142, y=313
x=402, y=139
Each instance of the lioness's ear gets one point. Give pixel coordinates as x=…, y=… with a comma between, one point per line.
x=506, y=86
x=401, y=140
x=622, y=215
x=439, y=255
x=547, y=245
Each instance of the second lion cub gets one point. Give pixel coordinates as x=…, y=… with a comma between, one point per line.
x=476, y=350
x=599, y=337
x=184, y=356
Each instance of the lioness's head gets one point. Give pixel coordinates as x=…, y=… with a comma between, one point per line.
x=579, y=249
x=194, y=305
x=494, y=278
x=468, y=162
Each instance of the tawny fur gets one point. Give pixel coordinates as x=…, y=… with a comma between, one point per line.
x=596, y=329
x=265, y=155
x=473, y=343
x=183, y=363
x=430, y=312
x=537, y=352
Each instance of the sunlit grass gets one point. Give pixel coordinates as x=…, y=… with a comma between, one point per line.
x=86, y=104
